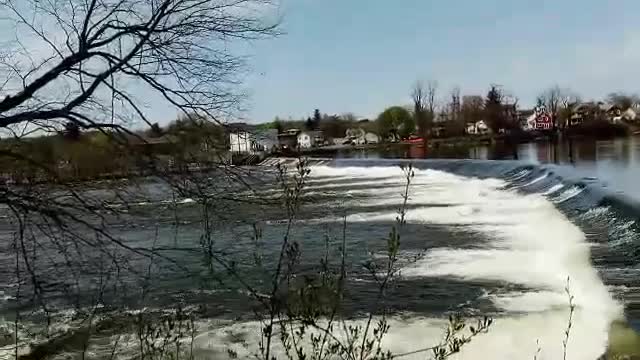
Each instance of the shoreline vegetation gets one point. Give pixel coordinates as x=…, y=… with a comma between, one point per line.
x=93, y=157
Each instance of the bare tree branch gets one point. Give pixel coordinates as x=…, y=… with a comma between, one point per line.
x=173, y=46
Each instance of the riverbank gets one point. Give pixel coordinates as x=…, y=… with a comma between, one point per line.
x=452, y=147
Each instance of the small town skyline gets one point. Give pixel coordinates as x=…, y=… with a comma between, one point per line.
x=442, y=103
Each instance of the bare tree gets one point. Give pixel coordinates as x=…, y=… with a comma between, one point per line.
x=472, y=108
x=349, y=117
x=95, y=54
x=623, y=100
x=557, y=101
x=569, y=98
x=451, y=115
x=568, y=101
x=510, y=106
x=418, y=95
x=75, y=65
x=424, y=105
x=552, y=99
x=455, y=105
x=432, y=90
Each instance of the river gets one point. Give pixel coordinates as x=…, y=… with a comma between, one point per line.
x=488, y=231
x=614, y=162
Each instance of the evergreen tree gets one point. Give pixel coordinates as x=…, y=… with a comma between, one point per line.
x=494, y=114
x=316, y=119
x=277, y=124
x=155, y=130
x=310, y=124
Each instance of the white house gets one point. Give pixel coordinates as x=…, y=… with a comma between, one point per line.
x=309, y=139
x=247, y=139
x=371, y=138
x=305, y=140
x=477, y=128
x=629, y=115
x=354, y=133
x=530, y=123
x=471, y=128
x=355, y=136
x=240, y=142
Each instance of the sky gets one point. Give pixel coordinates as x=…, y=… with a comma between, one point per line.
x=361, y=56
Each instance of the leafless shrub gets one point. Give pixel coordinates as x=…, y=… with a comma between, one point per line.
x=94, y=58
x=165, y=338
x=567, y=332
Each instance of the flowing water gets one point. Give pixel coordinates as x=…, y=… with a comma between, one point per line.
x=499, y=238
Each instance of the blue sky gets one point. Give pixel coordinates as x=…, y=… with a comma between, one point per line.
x=363, y=55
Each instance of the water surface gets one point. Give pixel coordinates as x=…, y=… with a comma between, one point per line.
x=483, y=237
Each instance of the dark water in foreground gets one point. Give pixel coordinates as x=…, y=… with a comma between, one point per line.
x=482, y=237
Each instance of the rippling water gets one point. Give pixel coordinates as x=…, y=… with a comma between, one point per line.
x=491, y=237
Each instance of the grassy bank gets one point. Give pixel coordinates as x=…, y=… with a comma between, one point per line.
x=624, y=342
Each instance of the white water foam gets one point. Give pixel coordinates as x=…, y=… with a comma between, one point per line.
x=602, y=211
x=553, y=189
x=536, y=180
x=5, y=297
x=176, y=201
x=568, y=194
x=521, y=174
x=533, y=245
x=331, y=185
x=509, y=338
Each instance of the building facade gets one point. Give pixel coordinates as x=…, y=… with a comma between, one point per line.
x=306, y=140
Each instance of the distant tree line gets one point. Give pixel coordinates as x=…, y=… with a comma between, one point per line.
x=73, y=154
x=331, y=126
x=426, y=117
x=430, y=115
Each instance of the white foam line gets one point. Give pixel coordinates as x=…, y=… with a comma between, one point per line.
x=519, y=175
x=568, y=194
x=536, y=180
x=553, y=189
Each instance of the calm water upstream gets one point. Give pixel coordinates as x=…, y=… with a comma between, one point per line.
x=616, y=163
x=494, y=232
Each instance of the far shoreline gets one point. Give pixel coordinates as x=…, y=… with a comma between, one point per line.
x=454, y=142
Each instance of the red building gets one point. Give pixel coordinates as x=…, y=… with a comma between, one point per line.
x=543, y=120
